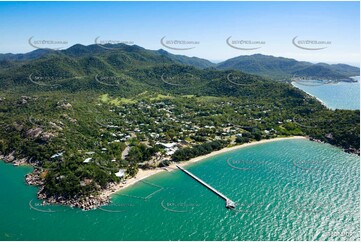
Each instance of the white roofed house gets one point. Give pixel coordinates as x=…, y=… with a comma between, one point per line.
x=169, y=148
x=167, y=145
x=120, y=173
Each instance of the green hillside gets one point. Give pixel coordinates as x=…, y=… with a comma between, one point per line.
x=58, y=110
x=284, y=68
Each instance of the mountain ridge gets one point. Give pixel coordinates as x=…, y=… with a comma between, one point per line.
x=281, y=67
x=269, y=66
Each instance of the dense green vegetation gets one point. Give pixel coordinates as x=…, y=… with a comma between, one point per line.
x=86, y=112
x=284, y=68
x=278, y=68
x=80, y=50
x=198, y=150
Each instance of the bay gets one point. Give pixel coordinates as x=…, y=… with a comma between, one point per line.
x=284, y=190
x=342, y=95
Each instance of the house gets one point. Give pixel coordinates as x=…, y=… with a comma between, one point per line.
x=167, y=145
x=170, y=152
x=120, y=173
x=170, y=148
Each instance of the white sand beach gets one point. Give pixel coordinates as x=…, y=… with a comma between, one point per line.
x=142, y=174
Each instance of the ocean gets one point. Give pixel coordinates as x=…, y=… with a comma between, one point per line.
x=280, y=195
x=342, y=95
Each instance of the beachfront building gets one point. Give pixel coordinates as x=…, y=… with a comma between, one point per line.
x=120, y=173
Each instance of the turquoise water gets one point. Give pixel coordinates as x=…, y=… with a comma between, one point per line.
x=342, y=95
x=285, y=190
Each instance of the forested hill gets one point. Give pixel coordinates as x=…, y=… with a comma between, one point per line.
x=79, y=50
x=124, y=71
x=73, y=114
x=283, y=68
x=278, y=68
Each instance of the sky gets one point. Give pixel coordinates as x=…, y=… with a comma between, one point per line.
x=206, y=26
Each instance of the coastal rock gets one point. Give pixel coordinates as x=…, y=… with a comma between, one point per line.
x=20, y=162
x=329, y=136
x=86, y=203
x=40, y=193
x=352, y=151
x=34, y=178
x=10, y=157
x=316, y=140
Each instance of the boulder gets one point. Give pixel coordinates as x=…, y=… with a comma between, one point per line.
x=34, y=132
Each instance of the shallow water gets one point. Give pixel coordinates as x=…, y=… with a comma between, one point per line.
x=284, y=190
x=343, y=95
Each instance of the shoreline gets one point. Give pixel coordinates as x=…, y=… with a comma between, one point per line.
x=104, y=196
x=143, y=174
x=318, y=99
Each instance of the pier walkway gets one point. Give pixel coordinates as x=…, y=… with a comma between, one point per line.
x=229, y=203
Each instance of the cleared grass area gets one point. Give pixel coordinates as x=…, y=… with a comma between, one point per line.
x=209, y=99
x=105, y=98
x=116, y=101
x=161, y=97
